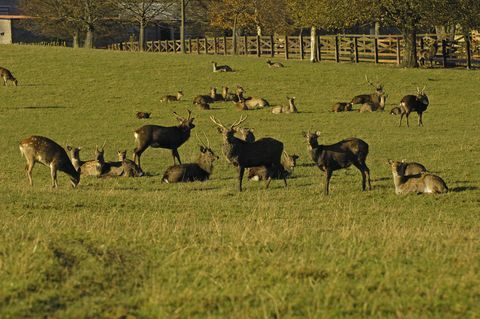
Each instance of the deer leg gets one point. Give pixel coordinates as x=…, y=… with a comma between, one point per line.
x=328, y=176
x=137, y=153
x=176, y=155
x=401, y=118
x=29, y=169
x=407, y=115
x=362, y=167
x=240, y=177
x=53, y=173
x=420, y=122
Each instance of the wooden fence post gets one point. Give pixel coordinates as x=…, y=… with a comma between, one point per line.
x=272, y=46
x=215, y=45
x=286, y=47
x=190, y=45
x=469, y=50
x=375, y=49
x=225, y=52
x=245, y=41
x=355, y=49
x=319, y=48
x=337, y=50
x=444, y=53
x=198, y=45
x=398, y=51
x=259, y=47
x=301, y=46
x=206, y=45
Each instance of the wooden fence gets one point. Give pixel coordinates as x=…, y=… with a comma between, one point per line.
x=338, y=48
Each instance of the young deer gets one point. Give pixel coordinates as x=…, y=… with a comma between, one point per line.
x=374, y=97
x=94, y=167
x=411, y=168
x=396, y=110
x=252, y=103
x=129, y=168
x=39, y=149
x=6, y=75
x=414, y=103
x=342, y=107
x=417, y=184
x=291, y=108
x=221, y=68
x=263, y=152
x=262, y=172
x=428, y=54
x=156, y=136
x=143, y=115
x=205, y=99
x=330, y=158
x=172, y=98
x=274, y=64
x=199, y=171
x=228, y=96
x=372, y=106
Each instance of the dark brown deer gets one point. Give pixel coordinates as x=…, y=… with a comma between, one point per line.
x=199, y=171
x=330, y=158
x=396, y=110
x=172, y=98
x=6, y=75
x=156, y=136
x=221, y=68
x=428, y=54
x=342, y=107
x=205, y=99
x=263, y=152
x=414, y=103
x=275, y=65
x=245, y=133
x=262, y=172
x=143, y=115
x=39, y=149
x=366, y=98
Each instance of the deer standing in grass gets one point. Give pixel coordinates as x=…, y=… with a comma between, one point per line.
x=414, y=103
x=199, y=171
x=39, y=149
x=263, y=152
x=156, y=136
x=290, y=108
x=423, y=182
x=366, y=98
x=330, y=158
x=245, y=133
x=6, y=75
x=428, y=54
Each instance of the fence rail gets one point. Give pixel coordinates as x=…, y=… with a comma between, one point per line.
x=338, y=48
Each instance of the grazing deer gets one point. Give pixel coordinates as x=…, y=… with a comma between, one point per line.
x=205, y=99
x=265, y=151
x=291, y=108
x=39, y=149
x=245, y=133
x=396, y=110
x=417, y=184
x=330, y=158
x=414, y=103
x=172, y=98
x=373, y=106
x=221, y=68
x=374, y=97
x=143, y=115
x=156, y=136
x=199, y=171
x=129, y=168
x=274, y=64
x=6, y=75
x=428, y=54
x=95, y=167
x=342, y=107
x=262, y=172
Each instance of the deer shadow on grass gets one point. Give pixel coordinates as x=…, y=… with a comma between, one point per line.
x=34, y=85
x=460, y=189
x=37, y=107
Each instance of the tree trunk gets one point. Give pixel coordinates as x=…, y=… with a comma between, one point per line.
x=377, y=28
x=76, y=43
x=182, y=26
x=89, y=37
x=141, y=36
x=234, y=35
x=410, y=55
x=313, y=45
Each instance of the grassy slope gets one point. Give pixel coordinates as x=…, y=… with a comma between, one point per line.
x=139, y=247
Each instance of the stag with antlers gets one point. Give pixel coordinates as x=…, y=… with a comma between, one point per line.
x=414, y=103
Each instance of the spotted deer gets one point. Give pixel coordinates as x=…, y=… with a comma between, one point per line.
x=6, y=75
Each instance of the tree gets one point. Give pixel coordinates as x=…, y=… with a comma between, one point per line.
x=142, y=12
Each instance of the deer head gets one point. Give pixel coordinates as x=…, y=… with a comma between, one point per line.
x=185, y=123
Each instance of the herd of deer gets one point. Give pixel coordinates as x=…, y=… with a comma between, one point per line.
x=264, y=158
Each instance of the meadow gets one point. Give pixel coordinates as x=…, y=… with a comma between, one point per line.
x=138, y=248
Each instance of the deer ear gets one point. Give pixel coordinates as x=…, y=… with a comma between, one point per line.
x=390, y=161
x=220, y=130
x=69, y=148
x=202, y=149
x=304, y=134
x=317, y=133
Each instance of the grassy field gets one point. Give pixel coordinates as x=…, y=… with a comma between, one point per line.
x=126, y=248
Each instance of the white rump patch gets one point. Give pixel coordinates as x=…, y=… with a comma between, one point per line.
x=255, y=178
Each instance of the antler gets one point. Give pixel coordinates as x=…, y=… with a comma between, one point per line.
x=208, y=141
x=240, y=121
x=189, y=114
x=178, y=117
x=214, y=120
x=424, y=87
x=369, y=82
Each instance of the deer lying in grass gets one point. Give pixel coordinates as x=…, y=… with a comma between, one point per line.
x=156, y=136
x=172, y=98
x=373, y=106
x=342, y=107
x=396, y=110
x=411, y=168
x=129, y=168
x=95, y=167
x=414, y=103
x=428, y=54
x=274, y=64
x=251, y=103
x=263, y=152
x=199, y=171
x=290, y=108
x=143, y=115
x=39, y=149
x=330, y=158
x=262, y=172
x=203, y=101
x=366, y=98
x=418, y=183
x=228, y=96
x=221, y=68
x=6, y=75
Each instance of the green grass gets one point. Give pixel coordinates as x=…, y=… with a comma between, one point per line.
x=140, y=248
